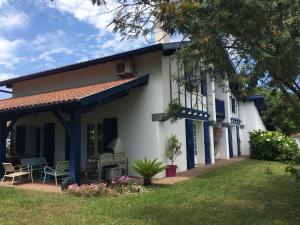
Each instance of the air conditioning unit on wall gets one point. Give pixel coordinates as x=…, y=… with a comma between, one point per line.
x=124, y=68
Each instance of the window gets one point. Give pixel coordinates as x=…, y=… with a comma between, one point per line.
x=90, y=139
x=100, y=138
x=233, y=106
x=195, y=139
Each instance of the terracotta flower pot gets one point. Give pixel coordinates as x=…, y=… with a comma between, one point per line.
x=171, y=171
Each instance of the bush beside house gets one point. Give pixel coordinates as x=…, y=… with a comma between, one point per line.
x=272, y=145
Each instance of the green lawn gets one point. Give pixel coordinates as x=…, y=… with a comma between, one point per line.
x=238, y=194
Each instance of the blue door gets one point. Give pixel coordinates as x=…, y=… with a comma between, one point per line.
x=238, y=140
x=206, y=143
x=189, y=144
x=230, y=142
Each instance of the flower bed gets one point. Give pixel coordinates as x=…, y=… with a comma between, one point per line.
x=92, y=190
x=127, y=184
x=122, y=185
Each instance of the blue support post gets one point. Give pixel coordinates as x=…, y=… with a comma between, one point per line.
x=230, y=142
x=206, y=142
x=3, y=136
x=75, y=143
x=189, y=144
x=238, y=140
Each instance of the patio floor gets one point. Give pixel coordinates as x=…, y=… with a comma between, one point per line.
x=50, y=186
x=35, y=186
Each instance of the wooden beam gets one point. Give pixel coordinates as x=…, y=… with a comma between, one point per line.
x=60, y=119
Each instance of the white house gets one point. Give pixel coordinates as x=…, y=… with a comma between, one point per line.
x=77, y=110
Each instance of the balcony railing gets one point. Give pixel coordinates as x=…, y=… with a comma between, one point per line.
x=220, y=109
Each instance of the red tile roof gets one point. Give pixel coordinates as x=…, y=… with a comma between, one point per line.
x=60, y=96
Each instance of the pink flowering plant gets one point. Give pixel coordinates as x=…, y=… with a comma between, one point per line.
x=126, y=184
x=91, y=190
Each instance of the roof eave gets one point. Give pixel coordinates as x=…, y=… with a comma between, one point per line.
x=167, y=49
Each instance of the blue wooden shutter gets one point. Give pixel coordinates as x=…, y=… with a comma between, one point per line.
x=238, y=140
x=206, y=143
x=49, y=142
x=204, y=87
x=189, y=144
x=110, y=131
x=20, y=139
x=230, y=142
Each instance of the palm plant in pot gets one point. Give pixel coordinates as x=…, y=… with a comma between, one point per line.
x=148, y=168
x=172, y=152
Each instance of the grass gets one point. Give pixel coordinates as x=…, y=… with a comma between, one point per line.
x=249, y=192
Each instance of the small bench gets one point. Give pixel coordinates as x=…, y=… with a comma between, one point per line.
x=35, y=164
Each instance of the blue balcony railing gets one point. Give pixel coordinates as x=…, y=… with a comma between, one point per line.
x=220, y=108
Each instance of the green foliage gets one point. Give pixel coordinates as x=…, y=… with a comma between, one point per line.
x=280, y=114
x=269, y=169
x=173, y=111
x=262, y=37
x=272, y=145
x=148, y=168
x=293, y=170
x=297, y=158
x=173, y=148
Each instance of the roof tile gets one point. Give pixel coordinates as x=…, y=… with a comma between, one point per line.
x=60, y=96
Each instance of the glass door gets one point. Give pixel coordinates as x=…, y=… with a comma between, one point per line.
x=195, y=143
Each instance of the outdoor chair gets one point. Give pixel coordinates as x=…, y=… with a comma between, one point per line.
x=11, y=172
x=62, y=169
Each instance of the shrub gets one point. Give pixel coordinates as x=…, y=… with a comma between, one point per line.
x=148, y=168
x=173, y=148
x=272, y=145
x=91, y=190
x=297, y=158
x=293, y=170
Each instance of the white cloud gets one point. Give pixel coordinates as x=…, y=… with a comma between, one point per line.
x=5, y=76
x=11, y=18
x=2, y=2
x=83, y=10
x=8, y=49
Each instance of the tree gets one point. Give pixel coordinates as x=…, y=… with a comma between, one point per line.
x=262, y=37
x=280, y=115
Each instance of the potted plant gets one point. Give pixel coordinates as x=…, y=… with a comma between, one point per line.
x=172, y=152
x=148, y=168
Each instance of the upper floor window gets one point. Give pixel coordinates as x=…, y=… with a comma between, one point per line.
x=233, y=105
x=193, y=80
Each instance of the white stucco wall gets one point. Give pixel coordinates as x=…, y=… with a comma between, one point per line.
x=140, y=136
x=222, y=149
x=251, y=120
x=136, y=129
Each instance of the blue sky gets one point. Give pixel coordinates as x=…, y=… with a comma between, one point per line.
x=39, y=35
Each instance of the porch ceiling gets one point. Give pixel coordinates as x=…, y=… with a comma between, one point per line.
x=73, y=97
